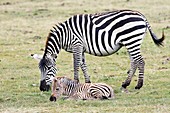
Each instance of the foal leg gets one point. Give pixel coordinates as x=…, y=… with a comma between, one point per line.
x=75, y=96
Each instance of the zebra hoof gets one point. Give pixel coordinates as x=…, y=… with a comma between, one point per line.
x=87, y=81
x=124, y=85
x=137, y=87
x=52, y=98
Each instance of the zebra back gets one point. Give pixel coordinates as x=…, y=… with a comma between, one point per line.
x=101, y=91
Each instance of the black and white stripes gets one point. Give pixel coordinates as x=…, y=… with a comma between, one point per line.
x=71, y=89
x=101, y=35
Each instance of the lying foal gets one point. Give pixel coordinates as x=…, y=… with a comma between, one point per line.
x=73, y=90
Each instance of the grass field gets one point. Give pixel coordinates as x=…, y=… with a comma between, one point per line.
x=24, y=26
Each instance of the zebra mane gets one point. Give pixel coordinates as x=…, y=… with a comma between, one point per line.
x=116, y=11
x=103, y=13
x=47, y=39
x=53, y=33
x=55, y=27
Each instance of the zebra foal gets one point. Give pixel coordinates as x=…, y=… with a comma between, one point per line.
x=74, y=90
x=100, y=35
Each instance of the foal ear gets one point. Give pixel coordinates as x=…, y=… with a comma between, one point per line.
x=55, y=79
x=62, y=79
x=36, y=56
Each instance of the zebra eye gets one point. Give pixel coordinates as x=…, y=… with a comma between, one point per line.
x=57, y=88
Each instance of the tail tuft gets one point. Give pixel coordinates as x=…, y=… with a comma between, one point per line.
x=158, y=42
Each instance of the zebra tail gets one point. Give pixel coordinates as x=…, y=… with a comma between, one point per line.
x=111, y=96
x=158, y=42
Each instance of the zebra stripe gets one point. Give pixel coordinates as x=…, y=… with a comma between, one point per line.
x=100, y=89
x=73, y=90
x=50, y=73
x=101, y=35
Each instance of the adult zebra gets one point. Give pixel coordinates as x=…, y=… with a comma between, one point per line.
x=100, y=35
x=73, y=90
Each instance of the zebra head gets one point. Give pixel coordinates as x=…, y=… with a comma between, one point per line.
x=61, y=85
x=48, y=70
x=56, y=89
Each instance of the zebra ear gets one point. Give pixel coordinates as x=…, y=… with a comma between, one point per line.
x=36, y=56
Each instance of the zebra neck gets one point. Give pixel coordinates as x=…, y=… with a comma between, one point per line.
x=53, y=45
x=64, y=34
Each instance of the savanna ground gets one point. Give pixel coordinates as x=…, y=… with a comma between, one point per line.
x=24, y=26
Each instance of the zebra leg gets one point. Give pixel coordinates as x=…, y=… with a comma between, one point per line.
x=76, y=96
x=130, y=74
x=84, y=69
x=77, y=56
x=137, y=63
x=133, y=44
x=141, y=65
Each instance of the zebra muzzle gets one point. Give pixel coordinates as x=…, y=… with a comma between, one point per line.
x=43, y=86
x=52, y=98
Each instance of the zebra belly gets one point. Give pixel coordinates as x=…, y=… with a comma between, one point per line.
x=97, y=53
x=99, y=44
